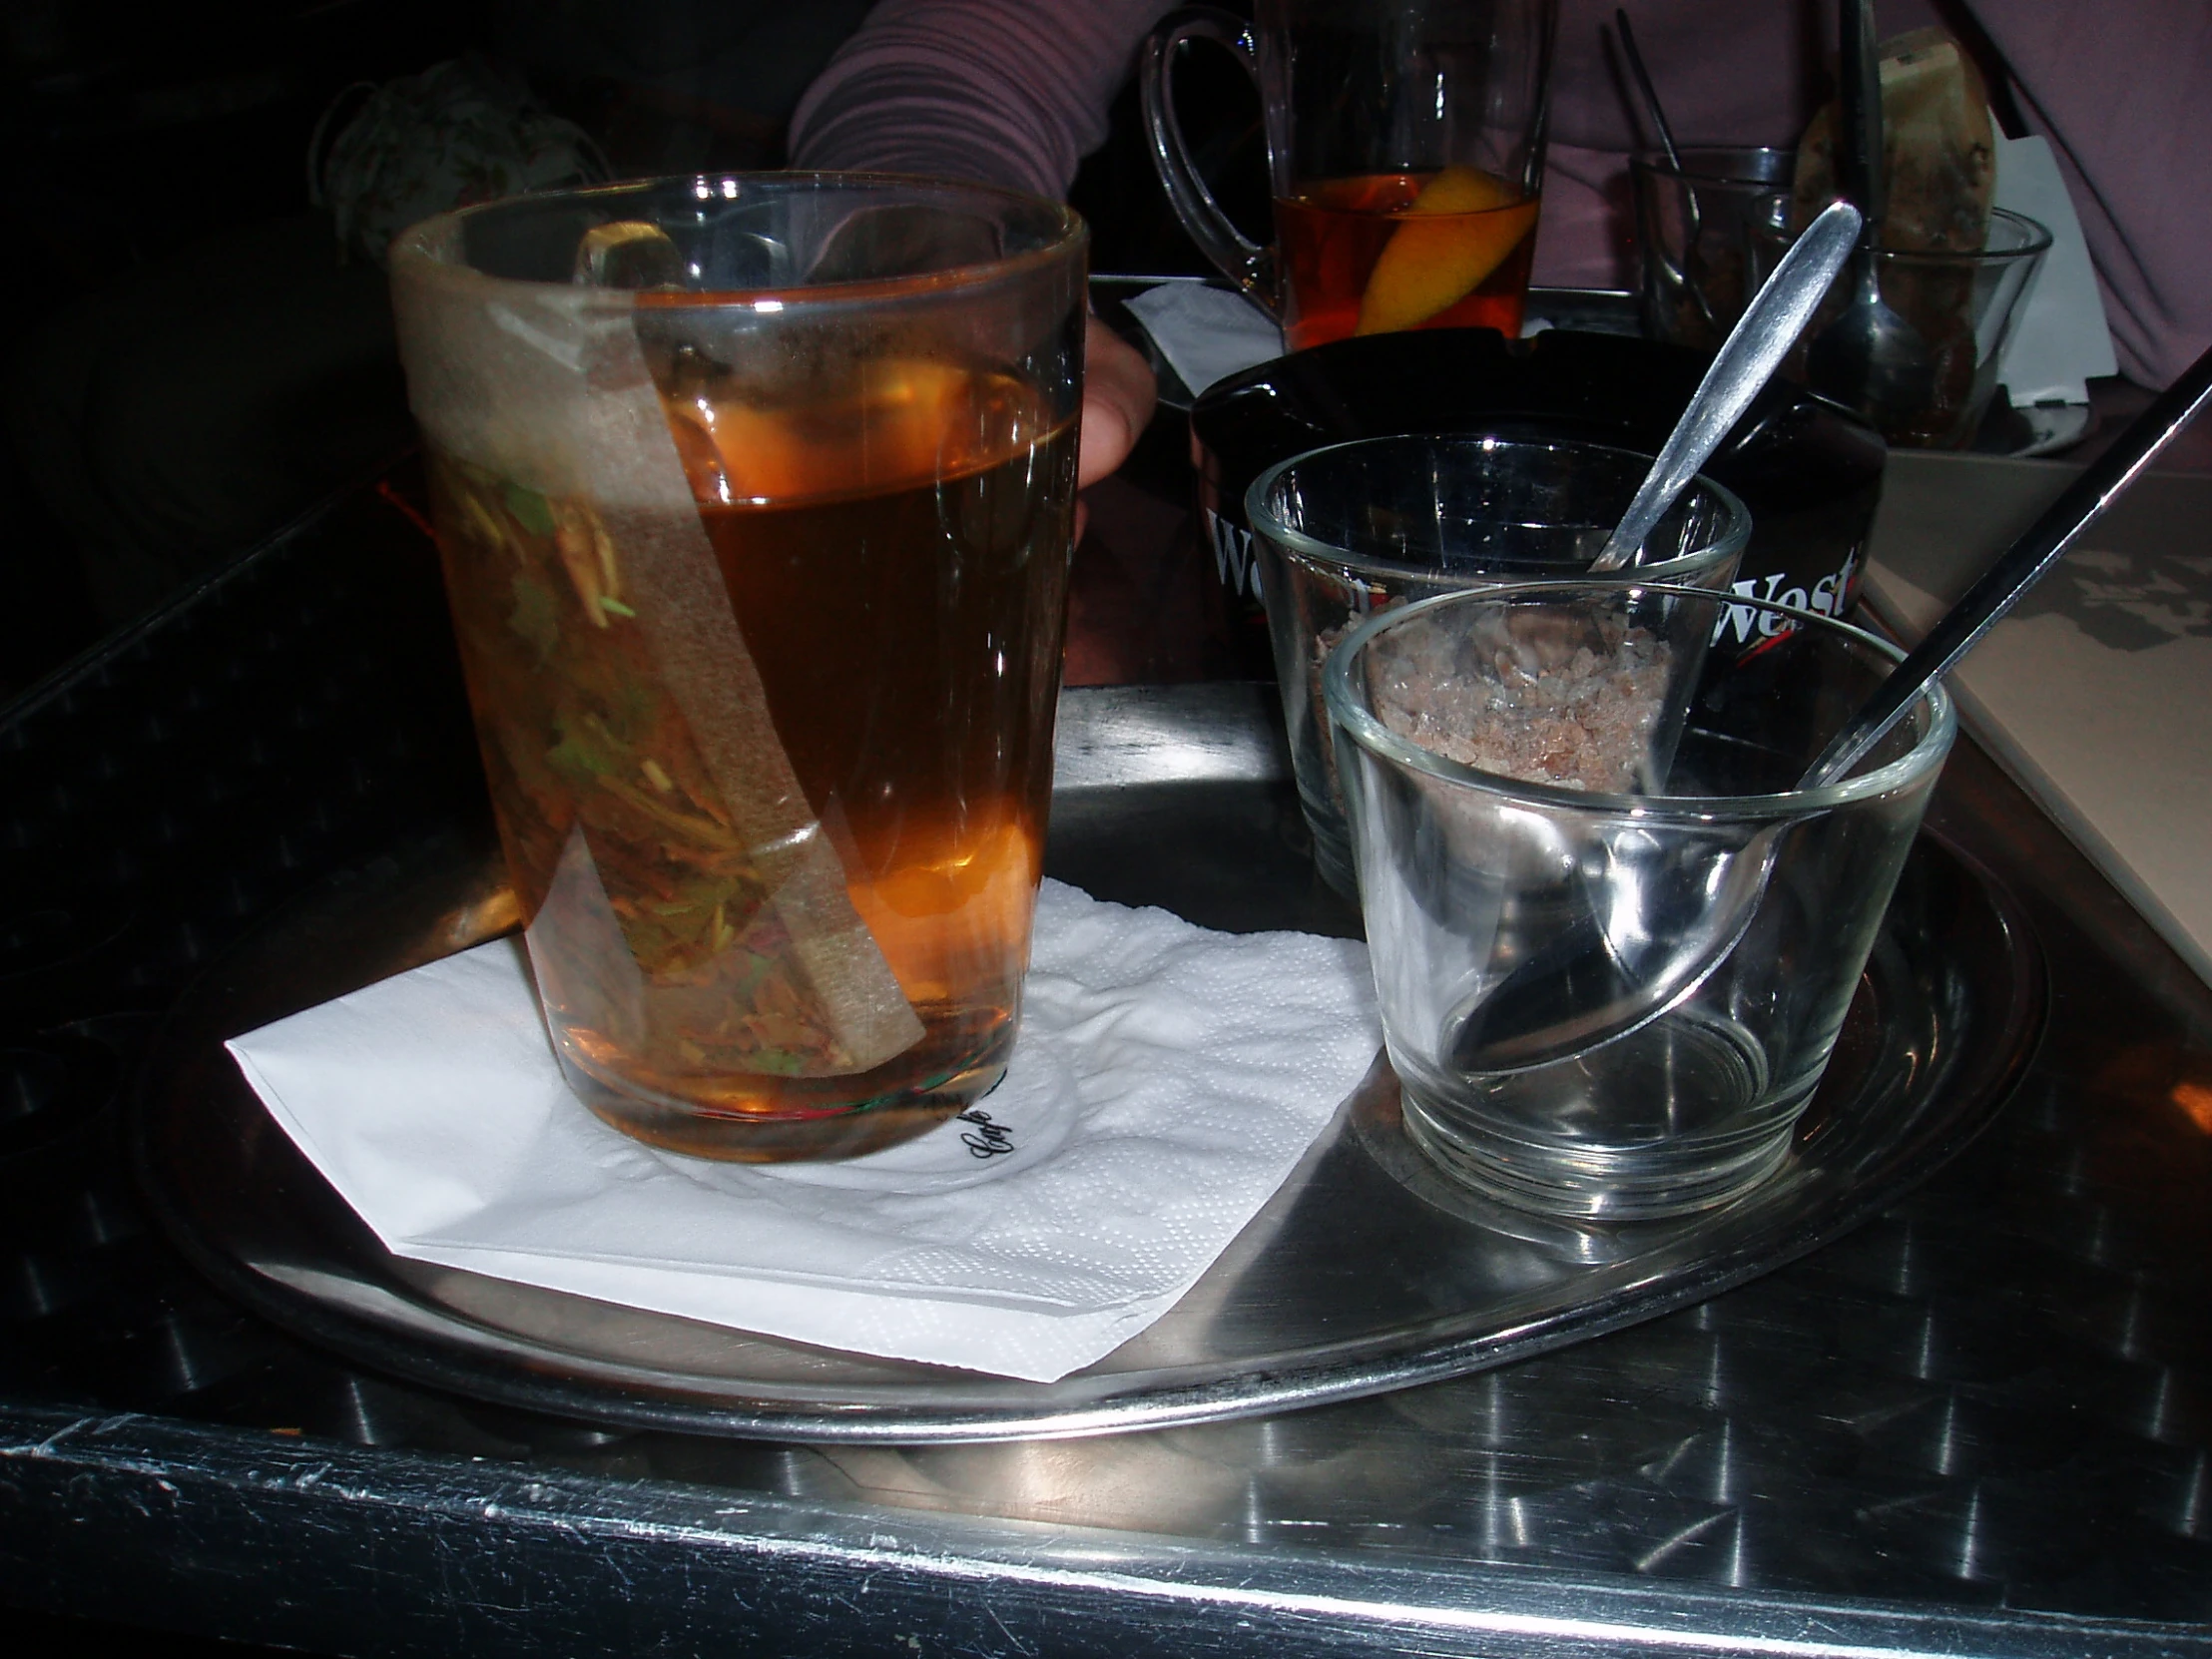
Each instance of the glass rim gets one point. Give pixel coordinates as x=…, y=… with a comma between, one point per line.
x=1655, y=162
x=432, y=241
x=1310, y=549
x=2035, y=242
x=1352, y=718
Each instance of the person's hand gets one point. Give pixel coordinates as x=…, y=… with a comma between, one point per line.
x=1118, y=398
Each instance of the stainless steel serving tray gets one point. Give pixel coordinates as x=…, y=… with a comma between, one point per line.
x=1365, y=1274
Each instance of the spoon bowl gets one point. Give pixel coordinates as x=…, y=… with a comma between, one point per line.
x=1871, y=360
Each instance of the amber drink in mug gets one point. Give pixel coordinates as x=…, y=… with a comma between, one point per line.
x=754, y=496
x=1405, y=147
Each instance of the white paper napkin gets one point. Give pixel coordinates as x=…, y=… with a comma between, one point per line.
x=2060, y=340
x=1166, y=1081
x=1207, y=333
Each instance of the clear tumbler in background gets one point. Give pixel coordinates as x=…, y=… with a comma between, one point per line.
x=1694, y=226
x=1960, y=309
x=1693, y=924
x=754, y=495
x=1366, y=526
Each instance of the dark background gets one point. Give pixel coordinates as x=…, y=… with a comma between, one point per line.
x=141, y=140
x=129, y=132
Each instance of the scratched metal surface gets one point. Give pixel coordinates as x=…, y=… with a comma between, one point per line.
x=1982, y=1423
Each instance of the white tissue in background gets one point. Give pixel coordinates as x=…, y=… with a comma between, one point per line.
x=1166, y=1081
x=2060, y=340
x=1208, y=333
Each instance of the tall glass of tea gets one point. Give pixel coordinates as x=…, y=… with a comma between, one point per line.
x=1405, y=146
x=754, y=496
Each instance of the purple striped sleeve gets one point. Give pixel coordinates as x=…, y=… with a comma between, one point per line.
x=1014, y=92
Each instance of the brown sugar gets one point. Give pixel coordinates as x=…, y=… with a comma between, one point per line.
x=1537, y=699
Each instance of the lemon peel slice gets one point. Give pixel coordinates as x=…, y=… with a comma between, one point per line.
x=1460, y=228
x=937, y=919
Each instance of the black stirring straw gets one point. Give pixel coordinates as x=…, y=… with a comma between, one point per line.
x=1646, y=88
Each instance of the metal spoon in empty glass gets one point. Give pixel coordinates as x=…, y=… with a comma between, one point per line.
x=1745, y=363
x=1588, y=985
x=1683, y=919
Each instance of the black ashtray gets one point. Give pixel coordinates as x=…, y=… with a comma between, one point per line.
x=1809, y=470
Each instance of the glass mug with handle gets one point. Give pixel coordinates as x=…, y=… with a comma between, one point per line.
x=1405, y=147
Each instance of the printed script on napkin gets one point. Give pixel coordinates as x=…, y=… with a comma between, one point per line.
x=1166, y=1082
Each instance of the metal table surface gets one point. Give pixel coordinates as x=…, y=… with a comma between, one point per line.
x=1982, y=1423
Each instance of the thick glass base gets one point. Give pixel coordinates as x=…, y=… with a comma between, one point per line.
x=746, y=1138
x=1592, y=1184
x=1668, y=1121
x=1332, y=848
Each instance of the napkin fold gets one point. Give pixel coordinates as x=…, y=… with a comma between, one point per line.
x=1166, y=1080
x=1207, y=333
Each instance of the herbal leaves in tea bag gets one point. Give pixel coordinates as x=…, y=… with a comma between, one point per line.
x=588, y=557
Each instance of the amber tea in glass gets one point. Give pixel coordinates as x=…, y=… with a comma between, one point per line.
x=766, y=711
x=1449, y=249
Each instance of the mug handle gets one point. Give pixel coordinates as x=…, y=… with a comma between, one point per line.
x=1252, y=267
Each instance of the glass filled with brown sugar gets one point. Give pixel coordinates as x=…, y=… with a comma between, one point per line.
x=756, y=500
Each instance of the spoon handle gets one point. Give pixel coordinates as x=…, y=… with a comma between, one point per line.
x=1754, y=347
x=2018, y=569
x=1858, y=158
x=1647, y=88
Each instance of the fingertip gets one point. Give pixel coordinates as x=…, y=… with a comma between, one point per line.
x=1103, y=442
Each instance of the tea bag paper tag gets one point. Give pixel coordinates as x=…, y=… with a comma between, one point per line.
x=1166, y=1082
x=548, y=387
